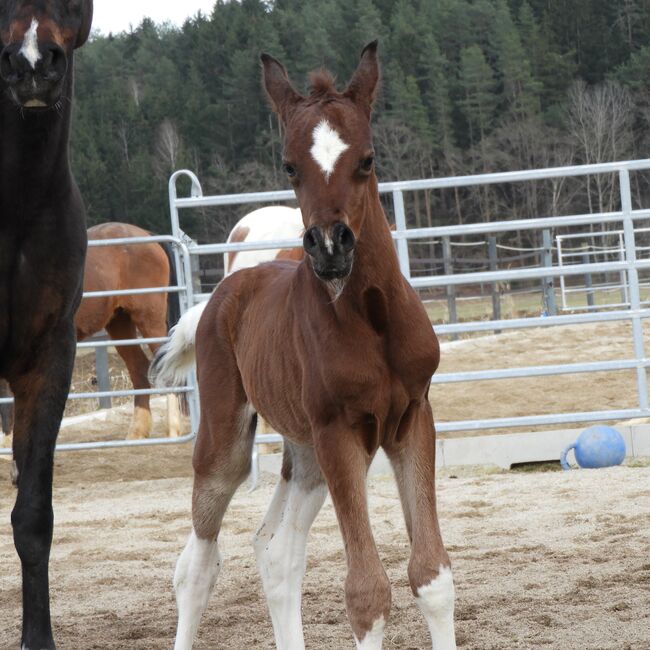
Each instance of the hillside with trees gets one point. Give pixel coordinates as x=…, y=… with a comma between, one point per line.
x=469, y=86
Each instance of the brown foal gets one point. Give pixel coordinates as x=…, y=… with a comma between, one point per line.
x=337, y=353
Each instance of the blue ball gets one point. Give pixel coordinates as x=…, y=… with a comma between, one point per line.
x=597, y=446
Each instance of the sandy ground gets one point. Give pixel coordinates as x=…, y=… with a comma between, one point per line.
x=554, y=560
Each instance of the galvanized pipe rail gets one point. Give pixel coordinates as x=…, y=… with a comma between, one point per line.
x=183, y=288
x=184, y=248
x=626, y=216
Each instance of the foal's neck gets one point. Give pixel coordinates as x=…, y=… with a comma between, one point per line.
x=375, y=260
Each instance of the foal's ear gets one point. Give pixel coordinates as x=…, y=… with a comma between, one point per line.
x=86, y=22
x=281, y=93
x=365, y=80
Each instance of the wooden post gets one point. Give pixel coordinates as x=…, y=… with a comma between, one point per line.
x=451, y=289
x=496, y=293
x=548, y=287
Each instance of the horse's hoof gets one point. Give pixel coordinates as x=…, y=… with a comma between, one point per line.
x=141, y=425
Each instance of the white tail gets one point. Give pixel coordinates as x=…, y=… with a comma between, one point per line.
x=174, y=359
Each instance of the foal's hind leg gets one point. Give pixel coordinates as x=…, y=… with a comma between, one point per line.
x=280, y=543
x=429, y=570
x=222, y=460
x=122, y=327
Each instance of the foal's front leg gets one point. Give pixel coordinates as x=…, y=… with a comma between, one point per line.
x=344, y=461
x=429, y=570
x=281, y=541
x=40, y=394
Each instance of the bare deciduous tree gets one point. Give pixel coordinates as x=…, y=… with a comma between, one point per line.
x=599, y=122
x=168, y=146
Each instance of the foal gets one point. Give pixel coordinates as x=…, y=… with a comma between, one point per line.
x=42, y=249
x=337, y=353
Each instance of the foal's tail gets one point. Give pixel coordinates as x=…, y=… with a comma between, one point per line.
x=174, y=359
x=173, y=300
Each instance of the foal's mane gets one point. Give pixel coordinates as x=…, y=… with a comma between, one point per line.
x=322, y=86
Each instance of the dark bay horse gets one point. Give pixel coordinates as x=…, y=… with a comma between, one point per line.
x=42, y=250
x=132, y=266
x=337, y=353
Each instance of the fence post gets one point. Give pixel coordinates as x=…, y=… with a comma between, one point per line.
x=548, y=286
x=635, y=293
x=196, y=273
x=402, y=243
x=451, y=288
x=496, y=292
x=103, y=380
x=586, y=259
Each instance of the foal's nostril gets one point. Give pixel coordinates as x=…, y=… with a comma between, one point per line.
x=310, y=241
x=344, y=237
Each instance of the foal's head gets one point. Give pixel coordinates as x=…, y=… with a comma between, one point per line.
x=38, y=37
x=328, y=157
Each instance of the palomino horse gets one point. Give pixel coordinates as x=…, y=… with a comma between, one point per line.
x=132, y=266
x=337, y=353
x=42, y=250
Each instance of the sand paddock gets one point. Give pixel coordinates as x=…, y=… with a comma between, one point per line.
x=541, y=559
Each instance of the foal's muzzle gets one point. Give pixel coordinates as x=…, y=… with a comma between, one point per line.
x=39, y=86
x=331, y=250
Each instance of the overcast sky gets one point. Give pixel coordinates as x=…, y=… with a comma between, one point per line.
x=118, y=15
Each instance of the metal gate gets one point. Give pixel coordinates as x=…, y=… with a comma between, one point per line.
x=184, y=289
x=186, y=251
x=623, y=219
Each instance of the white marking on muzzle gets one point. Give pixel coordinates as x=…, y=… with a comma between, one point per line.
x=329, y=244
x=327, y=147
x=29, y=48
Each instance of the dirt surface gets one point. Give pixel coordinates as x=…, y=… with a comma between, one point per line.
x=552, y=560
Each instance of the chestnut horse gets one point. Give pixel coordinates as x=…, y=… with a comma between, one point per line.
x=337, y=353
x=42, y=250
x=132, y=266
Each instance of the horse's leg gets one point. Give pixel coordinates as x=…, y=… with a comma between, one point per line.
x=344, y=460
x=40, y=393
x=150, y=329
x=222, y=461
x=280, y=543
x=121, y=327
x=429, y=570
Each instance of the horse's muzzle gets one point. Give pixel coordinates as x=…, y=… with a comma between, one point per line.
x=34, y=86
x=331, y=250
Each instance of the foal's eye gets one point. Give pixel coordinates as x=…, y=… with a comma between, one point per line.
x=290, y=170
x=367, y=163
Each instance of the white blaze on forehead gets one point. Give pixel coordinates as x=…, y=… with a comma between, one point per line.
x=30, y=44
x=327, y=147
